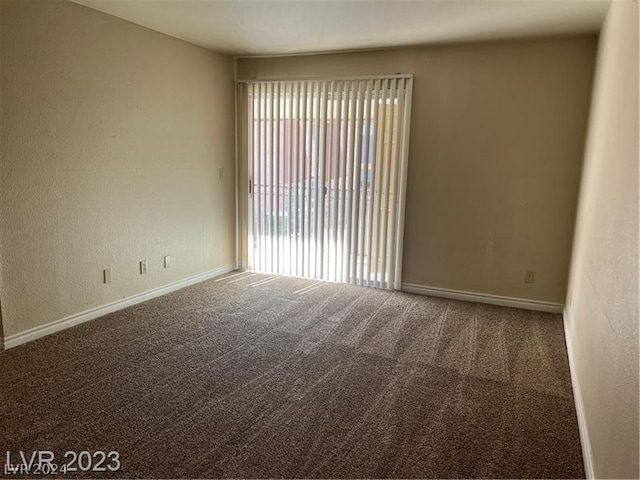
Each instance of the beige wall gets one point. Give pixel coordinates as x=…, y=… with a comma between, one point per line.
x=602, y=302
x=496, y=148
x=112, y=136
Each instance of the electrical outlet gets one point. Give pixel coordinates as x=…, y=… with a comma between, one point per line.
x=530, y=276
x=143, y=267
x=106, y=275
x=167, y=261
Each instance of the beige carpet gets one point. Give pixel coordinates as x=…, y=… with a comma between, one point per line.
x=259, y=376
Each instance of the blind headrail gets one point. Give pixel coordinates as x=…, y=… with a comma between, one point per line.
x=324, y=79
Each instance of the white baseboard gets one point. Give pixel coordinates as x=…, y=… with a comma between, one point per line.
x=64, y=323
x=587, y=457
x=483, y=298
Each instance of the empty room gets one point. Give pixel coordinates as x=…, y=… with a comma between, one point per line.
x=319, y=239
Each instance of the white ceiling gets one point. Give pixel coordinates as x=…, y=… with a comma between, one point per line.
x=265, y=27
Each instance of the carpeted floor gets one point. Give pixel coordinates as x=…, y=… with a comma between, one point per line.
x=258, y=376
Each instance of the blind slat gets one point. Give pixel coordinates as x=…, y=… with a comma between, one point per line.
x=303, y=183
x=321, y=163
x=347, y=225
x=276, y=196
x=355, y=183
x=384, y=217
x=372, y=186
x=382, y=114
x=391, y=244
x=299, y=150
x=364, y=174
x=342, y=179
x=262, y=176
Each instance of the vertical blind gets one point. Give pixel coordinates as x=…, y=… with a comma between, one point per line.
x=327, y=165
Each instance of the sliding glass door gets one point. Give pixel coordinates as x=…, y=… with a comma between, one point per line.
x=326, y=176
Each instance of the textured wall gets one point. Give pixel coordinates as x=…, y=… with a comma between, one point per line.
x=497, y=138
x=112, y=139
x=602, y=301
